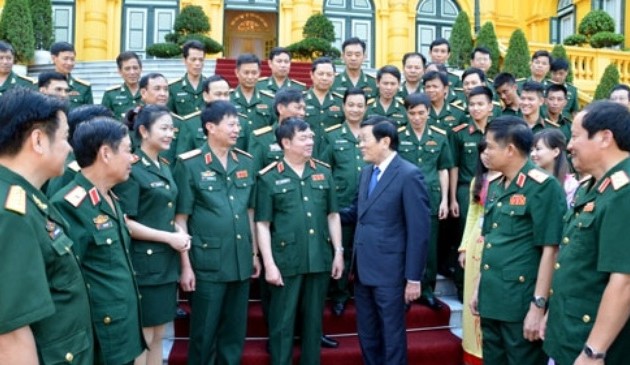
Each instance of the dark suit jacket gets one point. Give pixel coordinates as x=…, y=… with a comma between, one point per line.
x=392, y=233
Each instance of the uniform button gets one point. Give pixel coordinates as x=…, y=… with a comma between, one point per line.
x=172, y=223
x=140, y=296
x=302, y=183
x=565, y=240
x=580, y=224
x=228, y=179
x=557, y=265
x=512, y=212
x=284, y=190
x=489, y=245
x=521, y=279
x=108, y=241
x=235, y=216
x=282, y=243
x=168, y=187
x=494, y=225
x=107, y=320
x=69, y=357
x=149, y=252
x=311, y=231
x=306, y=198
x=87, y=286
x=170, y=204
x=550, y=292
x=308, y=214
x=419, y=160
x=586, y=318
x=238, y=236
x=499, y=204
x=209, y=187
x=205, y=245
x=486, y=267
x=231, y=197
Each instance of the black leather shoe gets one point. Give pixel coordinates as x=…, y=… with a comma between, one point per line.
x=430, y=302
x=329, y=343
x=338, y=308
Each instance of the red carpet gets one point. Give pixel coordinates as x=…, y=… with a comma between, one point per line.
x=300, y=71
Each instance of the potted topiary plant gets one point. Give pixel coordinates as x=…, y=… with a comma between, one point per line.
x=16, y=27
x=319, y=33
x=41, y=14
x=597, y=28
x=517, y=58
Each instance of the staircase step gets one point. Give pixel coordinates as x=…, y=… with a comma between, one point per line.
x=429, y=347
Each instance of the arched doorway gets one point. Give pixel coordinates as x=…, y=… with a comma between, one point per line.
x=251, y=26
x=434, y=19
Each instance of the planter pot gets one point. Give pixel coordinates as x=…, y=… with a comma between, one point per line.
x=42, y=57
x=20, y=69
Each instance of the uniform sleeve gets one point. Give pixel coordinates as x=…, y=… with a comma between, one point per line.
x=185, y=139
x=107, y=101
x=89, y=98
x=255, y=148
x=614, y=236
x=77, y=232
x=183, y=180
x=129, y=194
x=24, y=286
x=547, y=210
x=264, y=201
x=445, y=160
x=326, y=151
x=453, y=142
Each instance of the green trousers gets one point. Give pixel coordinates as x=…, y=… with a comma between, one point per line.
x=504, y=344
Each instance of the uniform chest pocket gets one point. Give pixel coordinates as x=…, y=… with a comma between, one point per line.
x=183, y=98
x=210, y=185
x=285, y=196
x=70, y=349
x=320, y=190
x=106, y=242
x=584, y=225
x=510, y=219
x=262, y=110
x=66, y=270
x=243, y=183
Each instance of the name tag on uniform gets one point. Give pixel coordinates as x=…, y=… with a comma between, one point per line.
x=275, y=147
x=157, y=184
x=283, y=181
x=470, y=144
x=208, y=176
x=121, y=97
x=406, y=143
x=182, y=94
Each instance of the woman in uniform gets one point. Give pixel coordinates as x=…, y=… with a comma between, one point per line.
x=148, y=199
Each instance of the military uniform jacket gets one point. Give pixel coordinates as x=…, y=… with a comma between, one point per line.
x=80, y=92
x=518, y=221
x=298, y=210
x=463, y=141
x=149, y=197
x=216, y=202
x=341, y=151
x=510, y=111
x=594, y=245
x=450, y=116
x=264, y=147
x=366, y=82
x=14, y=80
x=396, y=111
x=191, y=134
x=120, y=100
x=431, y=153
x=183, y=99
x=102, y=242
x=520, y=82
x=544, y=123
x=56, y=183
x=258, y=110
x=403, y=92
x=270, y=84
x=323, y=115
x=42, y=283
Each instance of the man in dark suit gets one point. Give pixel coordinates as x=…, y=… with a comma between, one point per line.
x=390, y=246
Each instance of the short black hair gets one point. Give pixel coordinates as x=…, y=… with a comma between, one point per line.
x=126, y=56
x=289, y=128
x=351, y=41
x=481, y=49
x=440, y=67
x=481, y=90
x=83, y=113
x=473, y=70
x=388, y=69
x=276, y=51
x=508, y=129
x=192, y=44
x=247, y=58
x=215, y=111
x=59, y=47
x=210, y=80
x=44, y=78
x=286, y=96
x=435, y=75
x=6, y=47
x=603, y=114
x=144, y=80
x=414, y=99
x=559, y=64
x=439, y=42
x=144, y=116
x=556, y=87
x=91, y=135
x=504, y=78
x=534, y=87
x=542, y=53
x=409, y=55
x=23, y=110
x=354, y=91
x=618, y=87
x=322, y=61
x=381, y=128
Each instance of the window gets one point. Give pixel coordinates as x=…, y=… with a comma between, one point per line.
x=63, y=20
x=352, y=18
x=434, y=19
x=563, y=25
x=147, y=22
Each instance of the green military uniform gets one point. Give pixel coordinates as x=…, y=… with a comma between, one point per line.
x=297, y=208
x=258, y=110
x=512, y=112
x=42, y=284
x=264, y=147
x=403, y=92
x=149, y=197
x=431, y=153
x=80, y=92
x=120, y=100
x=462, y=102
x=396, y=111
x=594, y=245
x=520, y=82
x=366, y=82
x=341, y=151
x=191, y=134
x=519, y=220
x=55, y=184
x=454, y=79
x=102, y=243
x=270, y=84
x=183, y=98
x=14, y=80
x=450, y=116
x=544, y=123
x=322, y=115
x=216, y=200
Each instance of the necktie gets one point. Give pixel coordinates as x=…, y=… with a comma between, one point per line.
x=373, y=179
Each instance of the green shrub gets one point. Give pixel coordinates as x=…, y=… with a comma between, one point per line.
x=517, y=58
x=210, y=45
x=164, y=50
x=461, y=42
x=609, y=79
x=191, y=20
x=311, y=48
x=606, y=39
x=596, y=21
x=575, y=40
x=319, y=26
x=41, y=14
x=558, y=51
x=488, y=38
x=16, y=27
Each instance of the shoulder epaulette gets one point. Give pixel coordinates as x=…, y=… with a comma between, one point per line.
x=521, y=79
x=619, y=179
x=175, y=81
x=177, y=116
x=458, y=128
x=321, y=162
x=402, y=129
x=264, y=78
x=74, y=166
x=458, y=89
x=16, y=200
x=268, y=168
x=299, y=82
x=134, y=158
x=262, y=130
x=242, y=115
x=32, y=81
x=548, y=121
x=337, y=95
x=238, y=150
x=439, y=130
x=399, y=99
x=75, y=196
x=332, y=128
x=370, y=76
x=371, y=101
x=164, y=161
x=189, y=154
x=538, y=175
x=80, y=81
x=267, y=93
x=193, y=114
x=496, y=103
x=458, y=107
x=492, y=178
x=112, y=88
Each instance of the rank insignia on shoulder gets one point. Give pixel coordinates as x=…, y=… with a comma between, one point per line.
x=164, y=161
x=189, y=154
x=319, y=162
x=458, y=128
x=80, y=81
x=16, y=200
x=74, y=166
x=267, y=168
x=332, y=128
x=538, y=175
x=439, y=130
x=402, y=129
x=619, y=179
x=518, y=199
x=262, y=130
x=76, y=196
